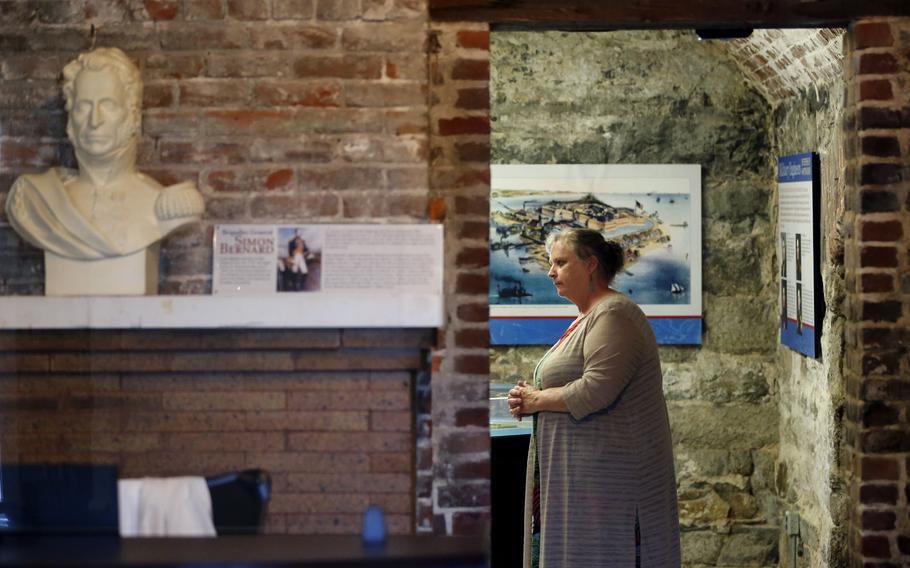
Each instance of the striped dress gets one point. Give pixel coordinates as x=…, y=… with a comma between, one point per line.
x=609, y=460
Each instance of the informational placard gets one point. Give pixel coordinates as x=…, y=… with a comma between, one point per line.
x=652, y=211
x=330, y=262
x=800, y=277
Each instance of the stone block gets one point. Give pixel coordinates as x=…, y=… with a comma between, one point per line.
x=732, y=324
x=700, y=546
x=700, y=508
x=717, y=378
x=702, y=425
x=750, y=546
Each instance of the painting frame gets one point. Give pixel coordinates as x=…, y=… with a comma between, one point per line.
x=527, y=201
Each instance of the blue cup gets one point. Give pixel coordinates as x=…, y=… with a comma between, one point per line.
x=374, y=529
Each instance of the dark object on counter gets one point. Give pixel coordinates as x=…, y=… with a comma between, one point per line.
x=59, y=499
x=240, y=501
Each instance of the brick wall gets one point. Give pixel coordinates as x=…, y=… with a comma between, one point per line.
x=279, y=111
x=877, y=425
x=459, y=70
x=328, y=413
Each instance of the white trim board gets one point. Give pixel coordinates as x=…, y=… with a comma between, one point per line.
x=325, y=310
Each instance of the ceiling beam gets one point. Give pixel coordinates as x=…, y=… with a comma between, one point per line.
x=630, y=14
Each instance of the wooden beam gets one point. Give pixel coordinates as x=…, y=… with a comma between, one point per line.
x=630, y=14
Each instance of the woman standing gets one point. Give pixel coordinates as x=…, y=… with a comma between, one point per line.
x=600, y=468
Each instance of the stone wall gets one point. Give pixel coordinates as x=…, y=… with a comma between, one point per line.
x=290, y=111
x=812, y=390
x=664, y=97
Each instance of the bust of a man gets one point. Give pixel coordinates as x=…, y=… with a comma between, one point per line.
x=99, y=226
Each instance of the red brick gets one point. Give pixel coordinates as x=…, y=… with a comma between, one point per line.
x=203, y=10
x=878, y=494
x=295, y=93
x=877, y=63
x=473, y=99
x=293, y=9
x=881, y=336
x=875, y=90
x=191, y=421
x=279, y=179
x=872, y=35
x=473, y=417
x=881, y=174
x=385, y=95
x=471, y=70
x=294, y=37
x=313, y=205
x=194, y=37
x=351, y=441
x=336, y=178
x=885, y=441
x=157, y=95
x=880, y=469
x=204, y=401
x=472, y=338
x=463, y=495
x=885, y=146
x=30, y=66
x=472, y=258
x=473, y=152
x=876, y=282
x=339, y=66
x=352, y=483
x=878, y=520
x=463, y=125
x=391, y=421
x=391, y=463
x=337, y=9
x=872, y=201
x=903, y=544
x=406, y=36
x=173, y=66
x=472, y=284
x=308, y=461
x=473, y=39
x=398, y=399
x=876, y=547
x=888, y=231
x=465, y=205
x=248, y=9
x=878, y=257
x=473, y=312
x=345, y=420
x=248, y=64
x=472, y=364
x=208, y=92
x=161, y=9
x=472, y=470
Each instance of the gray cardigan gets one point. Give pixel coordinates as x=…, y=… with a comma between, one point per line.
x=611, y=455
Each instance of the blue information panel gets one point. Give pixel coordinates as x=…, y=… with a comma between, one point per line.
x=801, y=308
x=547, y=331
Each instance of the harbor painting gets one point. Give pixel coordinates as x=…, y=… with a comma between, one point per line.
x=652, y=211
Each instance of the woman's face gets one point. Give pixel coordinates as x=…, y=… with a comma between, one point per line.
x=569, y=273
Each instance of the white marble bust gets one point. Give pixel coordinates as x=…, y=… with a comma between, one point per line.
x=99, y=226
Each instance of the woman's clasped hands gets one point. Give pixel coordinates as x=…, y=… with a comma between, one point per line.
x=521, y=398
